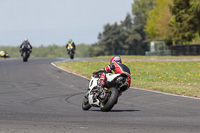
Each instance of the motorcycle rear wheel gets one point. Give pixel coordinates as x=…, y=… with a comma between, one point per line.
x=108, y=104
x=85, y=104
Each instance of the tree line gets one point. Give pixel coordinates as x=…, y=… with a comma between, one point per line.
x=174, y=21
x=51, y=51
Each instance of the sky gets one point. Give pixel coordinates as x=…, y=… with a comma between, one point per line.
x=47, y=22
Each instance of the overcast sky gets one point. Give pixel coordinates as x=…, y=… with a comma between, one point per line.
x=56, y=21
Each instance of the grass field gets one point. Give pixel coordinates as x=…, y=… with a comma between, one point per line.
x=177, y=77
x=150, y=57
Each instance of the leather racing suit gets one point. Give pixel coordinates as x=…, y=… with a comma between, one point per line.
x=118, y=68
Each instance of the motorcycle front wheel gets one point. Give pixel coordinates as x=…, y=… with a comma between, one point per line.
x=71, y=54
x=111, y=100
x=85, y=104
x=25, y=59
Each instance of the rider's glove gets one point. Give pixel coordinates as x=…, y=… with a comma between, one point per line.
x=95, y=72
x=100, y=70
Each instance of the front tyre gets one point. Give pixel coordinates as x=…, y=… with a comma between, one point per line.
x=71, y=55
x=108, y=104
x=85, y=104
x=25, y=57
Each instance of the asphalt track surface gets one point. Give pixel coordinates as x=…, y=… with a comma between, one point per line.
x=36, y=97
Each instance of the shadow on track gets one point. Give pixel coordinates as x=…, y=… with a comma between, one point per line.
x=129, y=110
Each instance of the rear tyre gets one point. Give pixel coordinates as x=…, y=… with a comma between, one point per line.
x=108, y=104
x=85, y=104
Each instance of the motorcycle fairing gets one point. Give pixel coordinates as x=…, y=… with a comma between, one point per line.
x=110, y=77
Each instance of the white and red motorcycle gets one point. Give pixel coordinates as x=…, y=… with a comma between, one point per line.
x=109, y=96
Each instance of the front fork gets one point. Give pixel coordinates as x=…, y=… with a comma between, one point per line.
x=87, y=93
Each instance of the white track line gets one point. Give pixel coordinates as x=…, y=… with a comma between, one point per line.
x=164, y=93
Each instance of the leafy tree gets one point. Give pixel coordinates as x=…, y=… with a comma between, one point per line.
x=125, y=41
x=140, y=10
x=195, y=8
x=108, y=41
x=128, y=37
x=159, y=19
x=186, y=21
x=96, y=50
x=180, y=21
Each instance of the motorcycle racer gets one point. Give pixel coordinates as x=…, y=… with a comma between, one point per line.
x=70, y=42
x=116, y=66
x=26, y=44
x=4, y=54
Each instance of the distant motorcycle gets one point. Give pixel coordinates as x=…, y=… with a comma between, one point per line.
x=4, y=55
x=70, y=50
x=25, y=53
x=109, y=96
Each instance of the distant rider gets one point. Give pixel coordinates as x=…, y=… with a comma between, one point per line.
x=116, y=66
x=71, y=43
x=25, y=44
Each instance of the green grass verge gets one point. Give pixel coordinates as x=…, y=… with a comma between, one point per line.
x=181, y=77
x=149, y=57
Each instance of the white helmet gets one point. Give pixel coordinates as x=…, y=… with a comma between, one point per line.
x=25, y=39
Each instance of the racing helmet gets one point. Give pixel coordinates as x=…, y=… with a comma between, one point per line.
x=25, y=39
x=116, y=59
